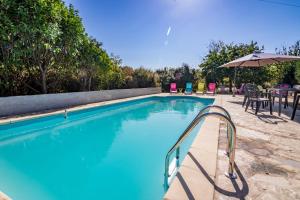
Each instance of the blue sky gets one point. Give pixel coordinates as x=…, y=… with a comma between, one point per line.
x=159, y=33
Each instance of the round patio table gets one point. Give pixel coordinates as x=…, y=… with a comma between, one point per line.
x=280, y=90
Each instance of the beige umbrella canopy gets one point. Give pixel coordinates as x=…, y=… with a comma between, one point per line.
x=258, y=60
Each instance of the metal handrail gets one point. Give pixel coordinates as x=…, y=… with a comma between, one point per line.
x=214, y=106
x=221, y=109
x=230, y=147
x=193, y=124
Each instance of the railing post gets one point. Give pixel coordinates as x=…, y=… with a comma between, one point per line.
x=166, y=175
x=231, y=153
x=66, y=114
x=177, y=156
x=227, y=133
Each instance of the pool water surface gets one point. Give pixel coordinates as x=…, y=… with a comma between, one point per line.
x=110, y=152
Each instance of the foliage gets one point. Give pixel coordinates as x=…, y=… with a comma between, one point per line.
x=220, y=53
x=44, y=48
x=297, y=72
x=166, y=76
x=179, y=75
x=140, y=77
x=290, y=71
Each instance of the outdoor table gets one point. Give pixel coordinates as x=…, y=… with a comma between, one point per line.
x=180, y=90
x=280, y=90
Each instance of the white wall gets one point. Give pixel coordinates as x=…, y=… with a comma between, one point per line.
x=34, y=103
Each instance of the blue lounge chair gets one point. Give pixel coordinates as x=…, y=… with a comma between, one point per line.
x=188, y=88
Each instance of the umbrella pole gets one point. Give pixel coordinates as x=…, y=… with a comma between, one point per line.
x=234, y=88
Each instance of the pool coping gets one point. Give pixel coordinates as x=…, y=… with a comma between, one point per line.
x=196, y=175
x=203, y=151
x=46, y=113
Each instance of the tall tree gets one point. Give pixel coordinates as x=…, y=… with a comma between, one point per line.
x=220, y=53
x=289, y=71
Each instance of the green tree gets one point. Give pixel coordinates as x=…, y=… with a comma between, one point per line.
x=220, y=53
x=143, y=77
x=128, y=73
x=166, y=76
x=289, y=71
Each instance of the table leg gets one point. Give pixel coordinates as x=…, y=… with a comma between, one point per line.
x=295, y=96
x=280, y=102
x=295, y=107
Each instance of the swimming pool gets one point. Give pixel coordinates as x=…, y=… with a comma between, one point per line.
x=109, y=152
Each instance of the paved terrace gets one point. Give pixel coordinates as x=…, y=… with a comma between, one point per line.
x=267, y=155
x=267, y=158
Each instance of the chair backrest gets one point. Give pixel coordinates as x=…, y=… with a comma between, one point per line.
x=173, y=87
x=251, y=90
x=188, y=85
x=296, y=86
x=201, y=86
x=212, y=87
x=260, y=87
x=283, y=85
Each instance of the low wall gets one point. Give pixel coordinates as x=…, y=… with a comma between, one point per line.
x=35, y=103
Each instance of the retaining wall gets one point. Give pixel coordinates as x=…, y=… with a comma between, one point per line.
x=36, y=103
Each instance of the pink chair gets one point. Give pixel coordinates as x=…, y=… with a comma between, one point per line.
x=211, y=88
x=173, y=88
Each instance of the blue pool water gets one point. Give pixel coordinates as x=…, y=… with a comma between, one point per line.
x=109, y=152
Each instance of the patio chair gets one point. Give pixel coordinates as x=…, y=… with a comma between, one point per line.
x=173, y=88
x=263, y=93
x=296, y=86
x=241, y=89
x=211, y=89
x=262, y=90
x=222, y=89
x=281, y=94
x=295, y=107
x=246, y=95
x=188, y=88
x=200, y=88
x=254, y=96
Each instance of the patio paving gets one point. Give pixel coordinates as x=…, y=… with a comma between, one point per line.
x=267, y=154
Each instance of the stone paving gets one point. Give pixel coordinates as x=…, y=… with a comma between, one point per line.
x=267, y=154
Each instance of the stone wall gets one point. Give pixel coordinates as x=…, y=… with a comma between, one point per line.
x=35, y=103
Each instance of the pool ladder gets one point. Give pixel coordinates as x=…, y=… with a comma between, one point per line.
x=230, y=151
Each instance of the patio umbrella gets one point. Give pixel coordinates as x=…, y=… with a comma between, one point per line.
x=258, y=60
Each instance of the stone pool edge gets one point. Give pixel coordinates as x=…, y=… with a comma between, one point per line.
x=16, y=118
x=196, y=175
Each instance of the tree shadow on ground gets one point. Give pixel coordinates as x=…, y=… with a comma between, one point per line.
x=239, y=193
